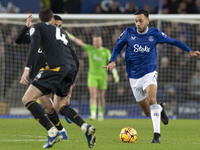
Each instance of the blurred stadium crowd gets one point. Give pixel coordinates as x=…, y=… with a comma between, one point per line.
x=112, y=6
x=168, y=7
x=179, y=74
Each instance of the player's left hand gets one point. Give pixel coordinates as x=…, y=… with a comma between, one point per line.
x=195, y=53
x=69, y=94
x=70, y=90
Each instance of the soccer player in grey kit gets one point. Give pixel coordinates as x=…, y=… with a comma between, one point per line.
x=140, y=58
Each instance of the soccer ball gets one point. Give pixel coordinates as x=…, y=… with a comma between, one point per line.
x=128, y=135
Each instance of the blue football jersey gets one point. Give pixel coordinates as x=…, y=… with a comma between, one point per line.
x=140, y=55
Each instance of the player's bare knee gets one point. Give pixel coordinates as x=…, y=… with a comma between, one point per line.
x=68, y=100
x=50, y=110
x=56, y=107
x=25, y=99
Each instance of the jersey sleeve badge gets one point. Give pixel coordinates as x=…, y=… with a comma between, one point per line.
x=163, y=34
x=32, y=30
x=121, y=35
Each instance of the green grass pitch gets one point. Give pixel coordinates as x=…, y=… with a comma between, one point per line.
x=27, y=134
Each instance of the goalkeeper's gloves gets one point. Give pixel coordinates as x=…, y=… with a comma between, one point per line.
x=115, y=75
x=71, y=37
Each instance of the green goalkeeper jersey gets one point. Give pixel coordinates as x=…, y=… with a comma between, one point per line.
x=97, y=59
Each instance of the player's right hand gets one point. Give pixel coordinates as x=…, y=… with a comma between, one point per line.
x=110, y=66
x=24, y=78
x=28, y=21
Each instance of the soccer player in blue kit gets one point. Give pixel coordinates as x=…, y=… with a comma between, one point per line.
x=141, y=65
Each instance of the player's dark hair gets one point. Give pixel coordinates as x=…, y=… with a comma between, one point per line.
x=45, y=14
x=56, y=17
x=142, y=11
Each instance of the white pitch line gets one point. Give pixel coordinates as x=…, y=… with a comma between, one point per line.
x=26, y=140
x=21, y=140
x=29, y=136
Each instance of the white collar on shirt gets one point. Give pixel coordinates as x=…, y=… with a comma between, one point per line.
x=144, y=32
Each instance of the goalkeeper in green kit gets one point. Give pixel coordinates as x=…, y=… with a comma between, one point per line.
x=97, y=76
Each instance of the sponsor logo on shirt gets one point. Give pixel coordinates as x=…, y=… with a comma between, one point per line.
x=133, y=38
x=97, y=58
x=39, y=50
x=139, y=48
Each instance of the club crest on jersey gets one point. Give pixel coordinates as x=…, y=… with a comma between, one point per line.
x=139, y=48
x=151, y=39
x=39, y=75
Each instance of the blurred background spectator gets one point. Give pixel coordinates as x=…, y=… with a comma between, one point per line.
x=130, y=8
x=182, y=8
x=195, y=82
x=148, y=8
x=72, y=6
x=173, y=5
x=57, y=6
x=100, y=6
x=197, y=7
x=165, y=74
x=98, y=9
x=114, y=8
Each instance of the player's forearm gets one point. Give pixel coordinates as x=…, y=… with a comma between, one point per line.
x=75, y=40
x=29, y=61
x=30, y=58
x=182, y=45
x=117, y=49
x=115, y=54
x=34, y=46
x=178, y=44
x=22, y=37
x=79, y=42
